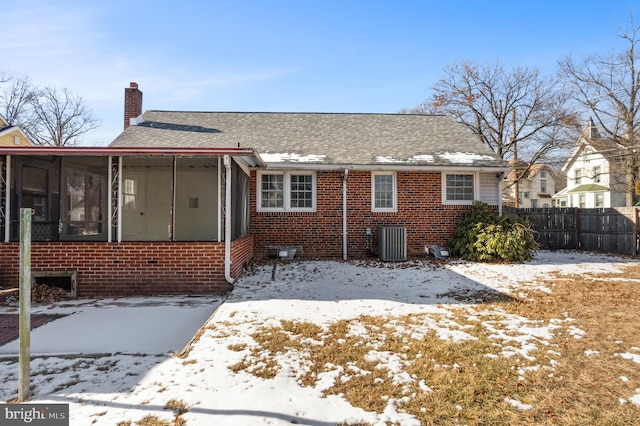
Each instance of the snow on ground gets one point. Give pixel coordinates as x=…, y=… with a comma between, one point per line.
x=137, y=376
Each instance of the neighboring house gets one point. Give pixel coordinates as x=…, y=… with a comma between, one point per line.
x=182, y=201
x=594, y=178
x=535, y=189
x=12, y=135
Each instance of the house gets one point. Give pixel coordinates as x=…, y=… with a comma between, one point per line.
x=181, y=201
x=12, y=135
x=535, y=189
x=594, y=174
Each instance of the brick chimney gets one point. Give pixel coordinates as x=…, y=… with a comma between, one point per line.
x=132, y=103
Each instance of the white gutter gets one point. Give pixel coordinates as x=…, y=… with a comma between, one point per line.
x=383, y=167
x=227, y=221
x=344, y=214
x=7, y=200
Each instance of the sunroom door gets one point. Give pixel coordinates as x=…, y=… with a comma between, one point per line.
x=146, y=198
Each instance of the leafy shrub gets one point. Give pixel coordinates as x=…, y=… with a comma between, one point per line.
x=483, y=235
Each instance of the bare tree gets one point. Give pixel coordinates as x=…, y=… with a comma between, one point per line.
x=608, y=85
x=59, y=118
x=16, y=95
x=513, y=111
x=48, y=116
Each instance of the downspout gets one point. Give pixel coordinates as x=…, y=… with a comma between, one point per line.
x=227, y=220
x=219, y=197
x=500, y=195
x=344, y=214
x=174, y=178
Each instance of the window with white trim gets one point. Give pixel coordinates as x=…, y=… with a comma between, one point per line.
x=384, y=194
x=286, y=191
x=597, y=172
x=458, y=188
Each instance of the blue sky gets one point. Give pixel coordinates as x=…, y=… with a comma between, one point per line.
x=286, y=55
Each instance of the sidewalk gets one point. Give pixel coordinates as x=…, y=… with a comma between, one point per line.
x=139, y=325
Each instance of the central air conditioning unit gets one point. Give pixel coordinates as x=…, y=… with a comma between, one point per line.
x=393, y=243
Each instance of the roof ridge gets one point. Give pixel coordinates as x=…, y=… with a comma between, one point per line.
x=297, y=113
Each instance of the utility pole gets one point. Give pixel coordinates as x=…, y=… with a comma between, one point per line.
x=24, y=357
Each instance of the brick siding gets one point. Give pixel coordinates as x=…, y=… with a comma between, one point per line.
x=420, y=209
x=132, y=268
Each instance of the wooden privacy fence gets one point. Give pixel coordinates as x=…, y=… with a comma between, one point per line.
x=612, y=230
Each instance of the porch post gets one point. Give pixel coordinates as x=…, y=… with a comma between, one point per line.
x=110, y=202
x=119, y=199
x=7, y=199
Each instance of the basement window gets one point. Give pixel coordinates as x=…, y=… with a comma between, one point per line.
x=66, y=280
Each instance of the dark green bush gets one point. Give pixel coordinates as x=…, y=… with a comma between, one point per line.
x=483, y=235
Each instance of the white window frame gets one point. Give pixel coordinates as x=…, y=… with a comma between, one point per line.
x=597, y=174
x=394, y=181
x=286, y=191
x=476, y=183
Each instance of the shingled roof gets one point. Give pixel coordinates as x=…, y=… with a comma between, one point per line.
x=328, y=139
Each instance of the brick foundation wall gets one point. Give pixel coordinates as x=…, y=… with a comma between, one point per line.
x=132, y=268
x=420, y=209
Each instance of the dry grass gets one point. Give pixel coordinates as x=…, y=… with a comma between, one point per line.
x=566, y=380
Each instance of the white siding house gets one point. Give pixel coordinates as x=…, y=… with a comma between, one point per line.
x=590, y=181
x=534, y=190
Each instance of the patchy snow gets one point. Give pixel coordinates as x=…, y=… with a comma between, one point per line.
x=291, y=157
x=464, y=157
x=518, y=405
x=426, y=158
x=633, y=357
x=135, y=376
x=389, y=160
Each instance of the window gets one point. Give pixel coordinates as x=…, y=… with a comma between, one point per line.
x=543, y=173
x=578, y=176
x=459, y=189
x=534, y=204
x=581, y=201
x=599, y=199
x=596, y=174
x=383, y=192
x=272, y=191
x=287, y=191
x=526, y=195
x=543, y=186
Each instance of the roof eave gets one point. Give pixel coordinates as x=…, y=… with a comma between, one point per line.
x=129, y=151
x=386, y=167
